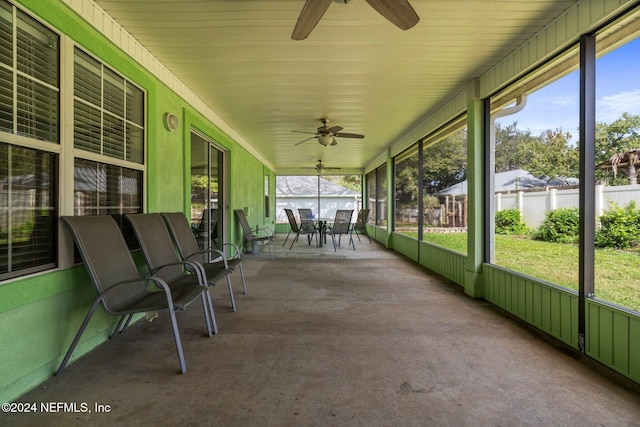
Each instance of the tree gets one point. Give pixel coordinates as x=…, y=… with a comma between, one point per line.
x=551, y=155
x=509, y=140
x=616, y=137
x=445, y=162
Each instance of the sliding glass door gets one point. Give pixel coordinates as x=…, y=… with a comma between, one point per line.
x=207, y=201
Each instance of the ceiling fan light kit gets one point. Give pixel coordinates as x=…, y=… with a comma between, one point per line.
x=327, y=140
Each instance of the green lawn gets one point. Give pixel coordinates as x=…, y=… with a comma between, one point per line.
x=616, y=273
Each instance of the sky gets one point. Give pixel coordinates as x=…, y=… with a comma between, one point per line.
x=557, y=104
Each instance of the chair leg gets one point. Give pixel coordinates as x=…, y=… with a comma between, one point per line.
x=117, y=329
x=83, y=326
x=294, y=240
x=126, y=325
x=205, y=307
x=233, y=301
x=213, y=315
x=244, y=285
x=176, y=337
x=285, y=240
x=272, y=243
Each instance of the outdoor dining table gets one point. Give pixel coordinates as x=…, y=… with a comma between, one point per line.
x=321, y=225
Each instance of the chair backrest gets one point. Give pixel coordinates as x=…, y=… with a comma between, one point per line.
x=362, y=216
x=210, y=215
x=306, y=219
x=342, y=221
x=106, y=257
x=292, y=220
x=305, y=214
x=183, y=238
x=361, y=221
x=246, y=228
x=156, y=244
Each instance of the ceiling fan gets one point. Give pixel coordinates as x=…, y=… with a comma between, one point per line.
x=399, y=12
x=327, y=135
x=321, y=168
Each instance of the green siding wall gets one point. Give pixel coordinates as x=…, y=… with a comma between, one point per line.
x=40, y=314
x=549, y=308
x=613, y=338
x=445, y=262
x=407, y=246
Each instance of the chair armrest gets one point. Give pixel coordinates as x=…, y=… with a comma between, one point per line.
x=189, y=266
x=236, y=251
x=268, y=232
x=208, y=251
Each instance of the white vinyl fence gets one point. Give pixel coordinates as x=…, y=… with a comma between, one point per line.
x=534, y=205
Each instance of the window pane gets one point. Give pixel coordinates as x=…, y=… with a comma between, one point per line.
x=109, y=111
x=617, y=237
x=381, y=196
x=28, y=215
x=371, y=196
x=6, y=100
x=134, y=144
x=113, y=137
x=86, y=127
x=445, y=191
x=37, y=110
x=37, y=50
x=101, y=189
x=406, y=192
x=6, y=34
x=536, y=179
x=87, y=79
x=135, y=105
x=113, y=93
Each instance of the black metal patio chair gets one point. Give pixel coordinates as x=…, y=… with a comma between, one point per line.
x=262, y=236
x=360, y=226
x=158, y=249
x=341, y=225
x=306, y=228
x=122, y=290
x=187, y=246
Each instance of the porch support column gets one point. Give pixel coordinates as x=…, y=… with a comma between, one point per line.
x=475, y=176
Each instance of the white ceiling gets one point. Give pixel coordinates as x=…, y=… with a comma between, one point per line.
x=356, y=68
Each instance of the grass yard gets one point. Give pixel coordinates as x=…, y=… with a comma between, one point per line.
x=616, y=272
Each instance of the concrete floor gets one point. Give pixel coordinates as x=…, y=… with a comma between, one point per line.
x=344, y=338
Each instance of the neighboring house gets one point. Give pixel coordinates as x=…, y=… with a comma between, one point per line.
x=453, y=200
x=296, y=192
x=512, y=181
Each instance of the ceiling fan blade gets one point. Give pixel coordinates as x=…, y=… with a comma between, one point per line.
x=309, y=17
x=348, y=135
x=305, y=140
x=301, y=131
x=334, y=129
x=399, y=12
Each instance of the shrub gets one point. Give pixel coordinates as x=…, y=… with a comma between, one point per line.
x=559, y=226
x=620, y=227
x=509, y=221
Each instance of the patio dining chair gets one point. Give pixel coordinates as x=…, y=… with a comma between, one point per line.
x=188, y=248
x=262, y=236
x=158, y=249
x=341, y=225
x=305, y=227
x=360, y=226
x=122, y=290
